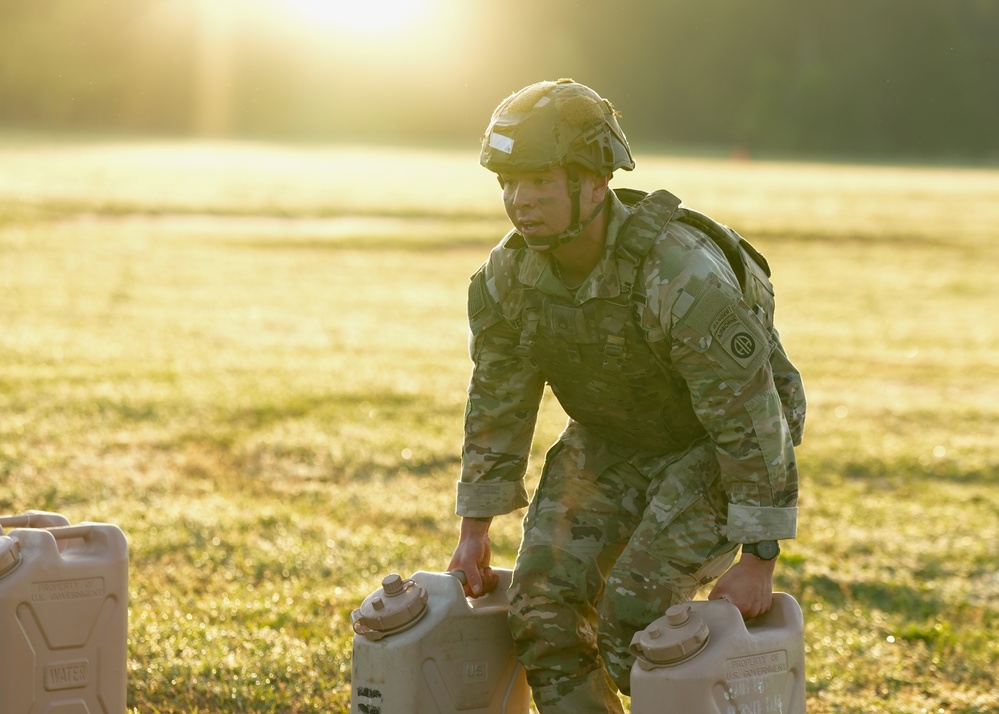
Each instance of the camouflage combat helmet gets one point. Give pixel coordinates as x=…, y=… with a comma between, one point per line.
x=555, y=124
x=550, y=124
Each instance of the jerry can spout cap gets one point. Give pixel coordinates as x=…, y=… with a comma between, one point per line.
x=673, y=638
x=394, y=607
x=10, y=554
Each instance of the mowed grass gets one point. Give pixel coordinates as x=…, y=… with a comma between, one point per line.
x=252, y=358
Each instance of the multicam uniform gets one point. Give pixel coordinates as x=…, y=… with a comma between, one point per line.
x=684, y=410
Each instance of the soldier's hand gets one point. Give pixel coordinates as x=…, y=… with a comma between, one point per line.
x=472, y=555
x=748, y=585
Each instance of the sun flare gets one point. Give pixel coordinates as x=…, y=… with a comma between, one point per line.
x=360, y=16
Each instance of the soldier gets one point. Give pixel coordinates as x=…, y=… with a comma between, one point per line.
x=653, y=326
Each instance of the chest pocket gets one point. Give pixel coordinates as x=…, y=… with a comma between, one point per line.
x=597, y=338
x=569, y=323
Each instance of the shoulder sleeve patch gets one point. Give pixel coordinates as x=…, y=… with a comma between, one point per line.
x=476, y=296
x=699, y=315
x=728, y=333
x=483, y=312
x=740, y=336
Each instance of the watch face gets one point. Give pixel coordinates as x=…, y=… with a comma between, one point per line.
x=765, y=549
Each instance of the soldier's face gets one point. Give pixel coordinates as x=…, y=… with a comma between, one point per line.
x=538, y=202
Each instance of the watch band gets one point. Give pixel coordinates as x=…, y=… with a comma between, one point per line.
x=764, y=549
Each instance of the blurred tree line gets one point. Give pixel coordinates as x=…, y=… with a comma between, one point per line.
x=856, y=78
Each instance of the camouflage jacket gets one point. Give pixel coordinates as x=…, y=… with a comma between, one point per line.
x=693, y=322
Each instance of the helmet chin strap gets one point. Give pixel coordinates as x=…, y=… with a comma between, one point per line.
x=575, y=225
x=552, y=242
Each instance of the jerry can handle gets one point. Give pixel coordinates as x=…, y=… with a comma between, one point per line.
x=93, y=537
x=460, y=576
x=82, y=531
x=33, y=519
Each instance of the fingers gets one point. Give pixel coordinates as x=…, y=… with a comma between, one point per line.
x=749, y=606
x=490, y=580
x=467, y=573
x=475, y=582
x=753, y=607
x=472, y=577
x=481, y=582
x=472, y=556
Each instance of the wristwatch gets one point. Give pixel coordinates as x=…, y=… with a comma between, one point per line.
x=764, y=550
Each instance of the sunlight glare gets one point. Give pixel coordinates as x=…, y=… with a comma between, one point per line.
x=360, y=16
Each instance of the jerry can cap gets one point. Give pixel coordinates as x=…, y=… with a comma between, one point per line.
x=396, y=606
x=673, y=638
x=10, y=554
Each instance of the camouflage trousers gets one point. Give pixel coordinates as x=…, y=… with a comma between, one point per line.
x=611, y=540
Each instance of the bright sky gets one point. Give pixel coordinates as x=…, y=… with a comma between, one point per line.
x=350, y=48
x=410, y=38
x=362, y=17
x=356, y=22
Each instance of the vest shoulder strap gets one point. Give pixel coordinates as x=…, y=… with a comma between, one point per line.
x=654, y=210
x=651, y=213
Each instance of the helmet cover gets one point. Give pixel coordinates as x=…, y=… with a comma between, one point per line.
x=555, y=124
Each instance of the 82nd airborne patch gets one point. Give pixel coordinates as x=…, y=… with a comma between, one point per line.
x=740, y=340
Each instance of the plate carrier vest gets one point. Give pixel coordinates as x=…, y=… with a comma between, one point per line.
x=596, y=357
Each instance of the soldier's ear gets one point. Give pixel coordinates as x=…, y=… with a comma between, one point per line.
x=601, y=184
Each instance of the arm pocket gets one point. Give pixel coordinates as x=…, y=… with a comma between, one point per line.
x=771, y=430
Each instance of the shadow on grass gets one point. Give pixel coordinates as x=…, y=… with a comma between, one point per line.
x=870, y=596
x=884, y=474
x=322, y=438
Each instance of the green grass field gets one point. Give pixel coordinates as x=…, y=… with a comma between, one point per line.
x=252, y=358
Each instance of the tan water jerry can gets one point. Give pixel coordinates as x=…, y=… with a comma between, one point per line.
x=63, y=616
x=702, y=657
x=422, y=647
